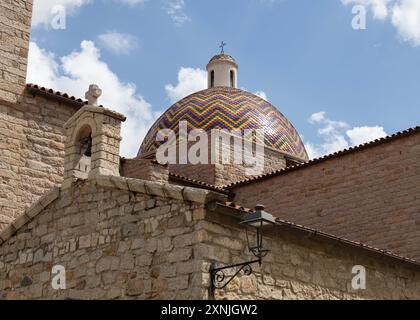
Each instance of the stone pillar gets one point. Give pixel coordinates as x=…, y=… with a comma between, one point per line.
x=15, y=27
x=93, y=141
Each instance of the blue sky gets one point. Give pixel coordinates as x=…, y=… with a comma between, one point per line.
x=326, y=77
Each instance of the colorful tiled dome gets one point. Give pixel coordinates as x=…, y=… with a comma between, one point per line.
x=231, y=109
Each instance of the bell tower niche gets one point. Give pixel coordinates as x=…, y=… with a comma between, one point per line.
x=93, y=141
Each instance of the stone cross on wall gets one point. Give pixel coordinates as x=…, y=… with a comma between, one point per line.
x=93, y=94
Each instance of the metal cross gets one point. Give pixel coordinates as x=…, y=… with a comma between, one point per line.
x=222, y=46
x=93, y=94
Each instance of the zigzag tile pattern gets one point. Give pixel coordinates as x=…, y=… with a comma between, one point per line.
x=231, y=109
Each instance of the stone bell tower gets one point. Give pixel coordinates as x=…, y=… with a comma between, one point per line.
x=15, y=27
x=93, y=141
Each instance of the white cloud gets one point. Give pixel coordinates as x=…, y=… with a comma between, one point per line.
x=118, y=43
x=337, y=135
x=360, y=135
x=190, y=80
x=406, y=17
x=44, y=13
x=43, y=10
x=261, y=94
x=176, y=10
x=73, y=74
x=379, y=7
x=331, y=133
x=403, y=14
x=131, y=2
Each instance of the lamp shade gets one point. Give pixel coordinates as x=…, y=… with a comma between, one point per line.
x=259, y=218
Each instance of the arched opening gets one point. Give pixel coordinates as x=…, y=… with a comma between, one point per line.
x=212, y=79
x=83, y=146
x=232, y=78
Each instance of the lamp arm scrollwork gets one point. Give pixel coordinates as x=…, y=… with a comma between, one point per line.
x=218, y=275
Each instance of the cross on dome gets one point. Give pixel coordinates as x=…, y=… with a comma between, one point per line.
x=222, y=46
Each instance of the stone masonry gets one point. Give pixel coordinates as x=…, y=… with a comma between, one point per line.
x=101, y=128
x=121, y=238
x=116, y=237
x=370, y=196
x=31, y=151
x=225, y=170
x=303, y=267
x=15, y=24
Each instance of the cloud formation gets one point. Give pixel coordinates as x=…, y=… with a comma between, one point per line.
x=118, y=43
x=190, y=80
x=261, y=94
x=43, y=10
x=74, y=72
x=176, y=10
x=403, y=14
x=338, y=135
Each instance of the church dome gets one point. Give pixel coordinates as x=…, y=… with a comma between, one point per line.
x=231, y=109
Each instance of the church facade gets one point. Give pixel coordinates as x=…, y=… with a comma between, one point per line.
x=78, y=221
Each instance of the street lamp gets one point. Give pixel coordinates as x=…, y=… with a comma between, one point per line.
x=256, y=220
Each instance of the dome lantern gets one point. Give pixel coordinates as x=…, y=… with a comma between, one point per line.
x=222, y=71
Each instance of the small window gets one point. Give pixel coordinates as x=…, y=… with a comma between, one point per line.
x=212, y=79
x=232, y=78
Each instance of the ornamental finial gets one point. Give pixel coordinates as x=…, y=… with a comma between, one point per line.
x=93, y=94
x=222, y=47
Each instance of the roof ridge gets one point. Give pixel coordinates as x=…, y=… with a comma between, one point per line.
x=159, y=189
x=198, y=182
x=34, y=88
x=330, y=236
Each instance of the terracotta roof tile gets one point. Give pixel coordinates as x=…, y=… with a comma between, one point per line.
x=318, y=233
x=198, y=183
x=35, y=89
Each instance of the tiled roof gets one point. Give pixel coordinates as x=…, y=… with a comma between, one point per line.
x=197, y=183
x=57, y=95
x=371, y=144
x=230, y=109
x=327, y=236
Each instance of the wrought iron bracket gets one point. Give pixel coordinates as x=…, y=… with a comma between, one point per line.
x=218, y=277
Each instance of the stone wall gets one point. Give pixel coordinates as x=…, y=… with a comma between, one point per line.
x=201, y=172
x=303, y=267
x=15, y=24
x=371, y=196
x=224, y=173
x=31, y=151
x=118, y=243
x=231, y=173
x=144, y=169
x=114, y=243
